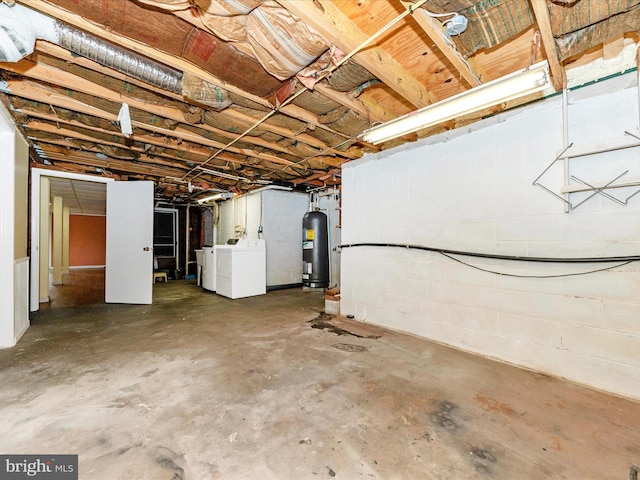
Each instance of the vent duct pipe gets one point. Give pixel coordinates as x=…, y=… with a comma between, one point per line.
x=118, y=58
x=21, y=26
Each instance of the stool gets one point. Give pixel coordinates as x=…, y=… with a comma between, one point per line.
x=159, y=275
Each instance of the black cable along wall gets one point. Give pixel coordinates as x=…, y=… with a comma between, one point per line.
x=620, y=261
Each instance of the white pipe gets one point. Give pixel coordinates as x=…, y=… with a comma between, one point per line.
x=565, y=144
x=638, y=80
x=187, y=241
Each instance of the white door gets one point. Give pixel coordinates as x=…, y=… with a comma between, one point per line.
x=129, y=262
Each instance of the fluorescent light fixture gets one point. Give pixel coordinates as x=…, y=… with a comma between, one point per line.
x=233, y=177
x=217, y=196
x=218, y=173
x=509, y=87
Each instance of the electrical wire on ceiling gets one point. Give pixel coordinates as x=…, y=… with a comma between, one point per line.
x=535, y=47
x=300, y=162
x=409, y=11
x=454, y=49
x=620, y=261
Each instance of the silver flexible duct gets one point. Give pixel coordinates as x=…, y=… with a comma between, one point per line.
x=21, y=26
x=118, y=58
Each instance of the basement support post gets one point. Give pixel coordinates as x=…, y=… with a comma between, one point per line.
x=45, y=239
x=187, y=241
x=565, y=144
x=57, y=240
x=65, y=240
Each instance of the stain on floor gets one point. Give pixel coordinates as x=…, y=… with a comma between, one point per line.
x=199, y=387
x=323, y=322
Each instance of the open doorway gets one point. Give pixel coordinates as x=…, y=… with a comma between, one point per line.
x=129, y=237
x=81, y=279
x=68, y=237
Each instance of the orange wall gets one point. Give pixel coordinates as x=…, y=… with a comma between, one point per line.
x=87, y=240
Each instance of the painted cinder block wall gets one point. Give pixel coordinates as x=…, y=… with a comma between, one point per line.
x=471, y=189
x=276, y=216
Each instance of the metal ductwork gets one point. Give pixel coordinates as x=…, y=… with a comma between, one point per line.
x=20, y=27
x=118, y=58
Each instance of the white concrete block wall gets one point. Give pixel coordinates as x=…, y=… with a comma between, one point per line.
x=471, y=189
x=254, y=207
x=226, y=224
x=282, y=213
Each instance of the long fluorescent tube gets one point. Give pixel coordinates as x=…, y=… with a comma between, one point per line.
x=232, y=177
x=217, y=196
x=218, y=173
x=509, y=87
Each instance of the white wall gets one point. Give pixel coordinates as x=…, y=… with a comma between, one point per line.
x=279, y=213
x=14, y=277
x=226, y=222
x=281, y=222
x=472, y=190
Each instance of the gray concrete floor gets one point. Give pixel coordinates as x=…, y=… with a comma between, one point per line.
x=198, y=387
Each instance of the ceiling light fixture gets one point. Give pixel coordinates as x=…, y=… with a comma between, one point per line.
x=222, y=174
x=233, y=177
x=512, y=86
x=217, y=196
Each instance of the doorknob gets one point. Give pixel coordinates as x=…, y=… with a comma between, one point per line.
x=146, y=249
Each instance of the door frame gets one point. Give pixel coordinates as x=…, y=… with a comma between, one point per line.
x=36, y=174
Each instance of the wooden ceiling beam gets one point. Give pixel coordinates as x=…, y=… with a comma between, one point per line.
x=58, y=150
x=85, y=158
x=148, y=139
x=374, y=112
x=40, y=94
x=433, y=28
x=77, y=160
x=69, y=135
x=558, y=74
x=34, y=126
x=181, y=136
x=333, y=25
x=285, y=132
x=65, y=55
x=67, y=80
x=33, y=91
x=612, y=47
x=167, y=59
x=339, y=97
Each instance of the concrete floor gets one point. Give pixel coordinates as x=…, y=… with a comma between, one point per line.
x=198, y=387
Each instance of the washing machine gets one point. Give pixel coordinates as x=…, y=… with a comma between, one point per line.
x=241, y=269
x=209, y=268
